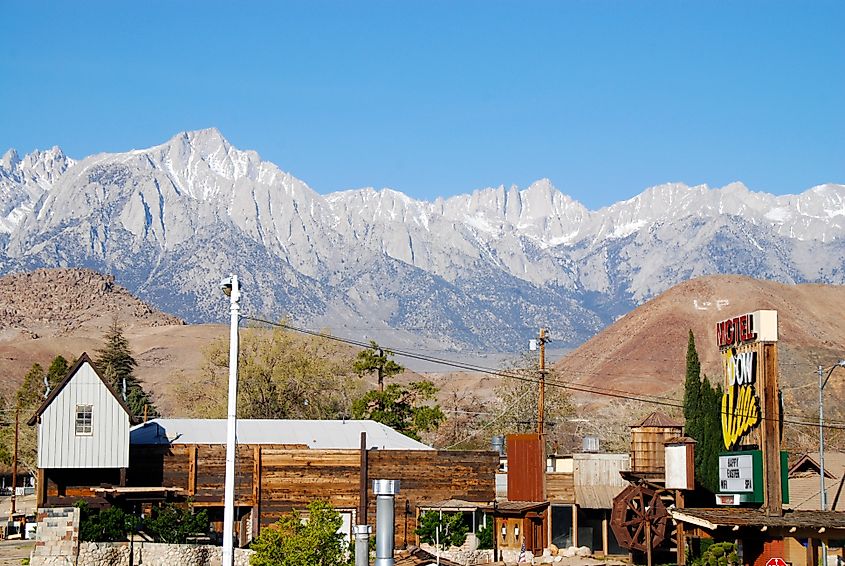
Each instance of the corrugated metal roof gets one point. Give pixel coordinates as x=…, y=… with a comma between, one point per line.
x=345, y=434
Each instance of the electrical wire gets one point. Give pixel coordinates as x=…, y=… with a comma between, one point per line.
x=595, y=390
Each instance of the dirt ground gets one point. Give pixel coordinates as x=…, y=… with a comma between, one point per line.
x=14, y=551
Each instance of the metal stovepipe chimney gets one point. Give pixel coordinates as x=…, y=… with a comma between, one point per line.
x=385, y=491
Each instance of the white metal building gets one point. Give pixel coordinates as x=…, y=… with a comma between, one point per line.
x=83, y=423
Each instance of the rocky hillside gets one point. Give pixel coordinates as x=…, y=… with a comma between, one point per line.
x=644, y=352
x=66, y=311
x=59, y=301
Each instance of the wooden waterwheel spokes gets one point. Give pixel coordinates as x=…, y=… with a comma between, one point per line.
x=636, y=511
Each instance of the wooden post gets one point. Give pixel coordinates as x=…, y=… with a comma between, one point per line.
x=770, y=431
x=648, y=539
x=812, y=552
x=122, y=477
x=192, y=469
x=362, y=485
x=256, y=490
x=574, y=525
x=41, y=493
x=604, y=540
x=15, y=460
x=681, y=558
x=541, y=399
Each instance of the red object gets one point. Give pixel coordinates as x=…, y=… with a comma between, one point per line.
x=526, y=468
x=775, y=562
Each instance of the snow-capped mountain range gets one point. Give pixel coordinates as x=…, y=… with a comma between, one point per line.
x=480, y=271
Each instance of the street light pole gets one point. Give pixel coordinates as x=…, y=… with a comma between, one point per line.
x=822, y=489
x=232, y=288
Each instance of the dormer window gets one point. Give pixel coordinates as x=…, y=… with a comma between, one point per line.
x=84, y=420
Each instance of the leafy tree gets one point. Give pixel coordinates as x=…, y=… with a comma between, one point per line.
x=32, y=391
x=702, y=415
x=104, y=525
x=281, y=375
x=115, y=360
x=173, y=525
x=405, y=409
x=453, y=529
x=292, y=541
x=485, y=534
x=376, y=359
x=519, y=395
x=26, y=400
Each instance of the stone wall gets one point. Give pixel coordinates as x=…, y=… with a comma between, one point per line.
x=144, y=554
x=57, y=537
x=57, y=544
x=156, y=554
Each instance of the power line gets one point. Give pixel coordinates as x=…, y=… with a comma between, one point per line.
x=595, y=390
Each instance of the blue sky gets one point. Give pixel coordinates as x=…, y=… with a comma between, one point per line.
x=439, y=98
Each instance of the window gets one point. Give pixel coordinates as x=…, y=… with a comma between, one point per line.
x=84, y=420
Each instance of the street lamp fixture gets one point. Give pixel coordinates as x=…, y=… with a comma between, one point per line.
x=231, y=288
x=822, y=489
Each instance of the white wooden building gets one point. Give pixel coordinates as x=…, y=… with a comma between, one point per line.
x=83, y=430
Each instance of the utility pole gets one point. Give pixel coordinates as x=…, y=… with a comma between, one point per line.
x=15, y=462
x=541, y=401
x=381, y=362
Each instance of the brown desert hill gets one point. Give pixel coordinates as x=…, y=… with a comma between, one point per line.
x=66, y=311
x=644, y=351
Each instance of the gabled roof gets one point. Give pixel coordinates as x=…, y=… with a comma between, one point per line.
x=83, y=359
x=659, y=419
x=834, y=465
x=315, y=434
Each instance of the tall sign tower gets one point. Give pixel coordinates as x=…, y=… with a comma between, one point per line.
x=751, y=469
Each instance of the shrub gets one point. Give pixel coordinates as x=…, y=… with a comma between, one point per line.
x=297, y=541
x=453, y=530
x=172, y=524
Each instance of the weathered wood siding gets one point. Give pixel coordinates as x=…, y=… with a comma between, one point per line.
x=106, y=447
x=560, y=487
x=289, y=478
x=647, y=448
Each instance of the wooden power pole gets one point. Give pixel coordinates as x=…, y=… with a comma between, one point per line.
x=541, y=400
x=15, y=462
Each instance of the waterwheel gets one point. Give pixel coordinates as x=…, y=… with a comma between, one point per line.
x=635, y=508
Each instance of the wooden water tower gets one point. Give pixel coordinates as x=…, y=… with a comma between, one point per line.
x=648, y=440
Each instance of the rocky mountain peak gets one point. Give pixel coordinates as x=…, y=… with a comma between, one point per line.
x=10, y=160
x=478, y=269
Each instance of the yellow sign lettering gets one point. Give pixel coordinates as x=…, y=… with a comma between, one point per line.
x=740, y=413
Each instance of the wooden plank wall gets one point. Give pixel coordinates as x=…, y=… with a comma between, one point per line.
x=647, y=447
x=289, y=478
x=560, y=487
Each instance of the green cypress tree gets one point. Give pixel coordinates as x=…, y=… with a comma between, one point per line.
x=692, y=390
x=702, y=407
x=115, y=360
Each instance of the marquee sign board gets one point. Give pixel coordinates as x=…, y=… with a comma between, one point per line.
x=741, y=477
x=736, y=473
